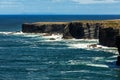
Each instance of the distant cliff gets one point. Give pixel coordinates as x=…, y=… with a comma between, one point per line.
x=105, y=31
x=44, y=27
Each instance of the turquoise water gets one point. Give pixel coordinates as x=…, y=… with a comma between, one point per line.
x=35, y=57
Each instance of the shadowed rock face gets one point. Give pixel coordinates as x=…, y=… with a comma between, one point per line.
x=118, y=43
x=107, y=36
x=74, y=30
x=81, y=30
x=118, y=46
x=43, y=28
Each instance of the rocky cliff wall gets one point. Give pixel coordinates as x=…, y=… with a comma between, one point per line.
x=81, y=30
x=105, y=31
x=44, y=27
x=107, y=36
x=118, y=43
x=108, y=32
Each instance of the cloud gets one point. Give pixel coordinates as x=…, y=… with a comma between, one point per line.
x=95, y=1
x=56, y=0
x=10, y=3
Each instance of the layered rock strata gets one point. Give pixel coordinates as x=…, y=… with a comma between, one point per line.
x=105, y=31
x=81, y=30
x=44, y=27
x=108, y=32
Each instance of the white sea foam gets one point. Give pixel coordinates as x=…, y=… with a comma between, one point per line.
x=97, y=58
x=83, y=71
x=89, y=45
x=6, y=32
x=11, y=33
x=98, y=65
x=81, y=43
x=54, y=37
x=71, y=43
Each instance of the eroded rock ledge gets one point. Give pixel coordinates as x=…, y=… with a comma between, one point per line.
x=105, y=30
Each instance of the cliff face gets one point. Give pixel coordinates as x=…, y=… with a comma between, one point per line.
x=108, y=32
x=118, y=46
x=43, y=27
x=80, y=30
x=107, y=36
x=118, y=43
x=105, y=31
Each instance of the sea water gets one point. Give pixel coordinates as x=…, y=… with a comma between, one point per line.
x=28, y=56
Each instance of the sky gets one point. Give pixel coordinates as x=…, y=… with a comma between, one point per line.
x=60, y=7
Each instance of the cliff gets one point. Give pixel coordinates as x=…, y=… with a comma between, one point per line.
x=118, y=43
x=81, y=29
x=105, y=30
x=118, y=46
x=108, y=32
x=44, y=27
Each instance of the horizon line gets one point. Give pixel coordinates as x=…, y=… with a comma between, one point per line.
x=59, y=14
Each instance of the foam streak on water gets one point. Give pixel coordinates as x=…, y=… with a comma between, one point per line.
x=25, y=56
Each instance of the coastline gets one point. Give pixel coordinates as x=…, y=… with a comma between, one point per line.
x=70, y=43
x=104, y=30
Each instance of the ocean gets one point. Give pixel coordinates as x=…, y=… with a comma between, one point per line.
x=29, y=56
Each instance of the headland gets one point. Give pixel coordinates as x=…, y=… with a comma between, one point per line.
x=104, y=30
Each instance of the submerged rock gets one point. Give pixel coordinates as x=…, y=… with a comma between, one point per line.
x=52, y=39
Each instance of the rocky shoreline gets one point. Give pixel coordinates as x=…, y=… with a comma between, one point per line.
x=105, y=30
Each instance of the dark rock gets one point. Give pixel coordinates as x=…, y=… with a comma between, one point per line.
x=52, y=38
x=118, y=43
x=81, y=30
x=118, y=61
x=107, y=36
x=118, y=46
x=44, y=27
x=74, y=30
